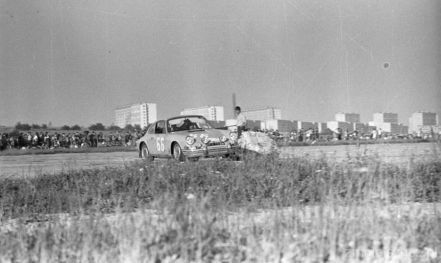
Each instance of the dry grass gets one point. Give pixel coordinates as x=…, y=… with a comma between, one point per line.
x=264, y=209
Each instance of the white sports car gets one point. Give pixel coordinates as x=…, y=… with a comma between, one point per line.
x=186, y=137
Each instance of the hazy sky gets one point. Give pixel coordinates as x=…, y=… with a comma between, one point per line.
x=75, y=61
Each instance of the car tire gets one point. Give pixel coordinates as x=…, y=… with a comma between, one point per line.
x=144, y=153
x=177, y=153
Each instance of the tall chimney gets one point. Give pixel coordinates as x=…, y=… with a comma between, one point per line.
x=234, y=100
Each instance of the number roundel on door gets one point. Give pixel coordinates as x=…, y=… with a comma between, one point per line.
x=160, y=144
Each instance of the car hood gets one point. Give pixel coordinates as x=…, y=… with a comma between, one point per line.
x=211, y=133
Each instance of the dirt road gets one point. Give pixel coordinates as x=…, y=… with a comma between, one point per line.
x=28, y=165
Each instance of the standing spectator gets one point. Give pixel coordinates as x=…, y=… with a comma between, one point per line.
x=301, y=133
x=356, y=136
x=339, y=134
x=87, y=138
x=94, y=139
x=308, y=135
x=241, y=121
x=374, y=134
x=29, y=140
x=292, y=136
x=126, y=138
x=2, y=142
x=47, y=142
x=317, y=135
x=35, y=140
x=100, y=137
x=20, y=140
x=11, y=143
x=119, y=138
x=40, y=139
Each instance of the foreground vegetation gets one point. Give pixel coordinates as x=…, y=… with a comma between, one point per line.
x=264, y=209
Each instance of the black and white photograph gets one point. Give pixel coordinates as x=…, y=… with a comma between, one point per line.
x=220, y=131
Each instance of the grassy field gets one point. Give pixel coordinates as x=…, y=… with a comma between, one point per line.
x=264, y=209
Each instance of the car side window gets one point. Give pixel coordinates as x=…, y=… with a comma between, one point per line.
x=160, y=127
x=151, y=129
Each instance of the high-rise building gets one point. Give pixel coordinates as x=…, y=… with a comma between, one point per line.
x=362, y=128
x=388, y=122
x=322, y=126
x=393, y=128
x=137, y=114
x=211, y=113
x=347, y=117
x=283, y=126
x=253, y=125
x=381, y=117
x=306, y=125
x=263, y=113
x=422, y=121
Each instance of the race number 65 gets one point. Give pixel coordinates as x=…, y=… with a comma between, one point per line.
x=160, y=144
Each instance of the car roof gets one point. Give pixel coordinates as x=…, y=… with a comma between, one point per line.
x=185, y=116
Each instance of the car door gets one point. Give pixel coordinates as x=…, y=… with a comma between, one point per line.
x=151, y=139
x=157, y=139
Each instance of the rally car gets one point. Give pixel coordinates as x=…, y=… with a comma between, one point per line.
x=187, y=137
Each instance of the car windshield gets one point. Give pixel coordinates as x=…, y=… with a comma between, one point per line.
x=187, y=124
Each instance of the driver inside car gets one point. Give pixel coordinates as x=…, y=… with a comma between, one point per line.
x=186, y=125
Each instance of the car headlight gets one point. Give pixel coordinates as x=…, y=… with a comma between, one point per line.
x=204, y=138
x=190, y=140
x=233, y=136
x=223, y=138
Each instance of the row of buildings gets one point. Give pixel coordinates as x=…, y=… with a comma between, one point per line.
x=270, y=118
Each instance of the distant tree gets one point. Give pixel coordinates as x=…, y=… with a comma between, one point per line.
x=137, y=127
x=129, y=127
x=113, y=128
x=36, y=126
x=97, y=127
x=43, y=126
x=65, y=127
x=22, y=126
x=76, y=127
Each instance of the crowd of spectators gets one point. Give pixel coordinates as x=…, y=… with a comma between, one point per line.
x=313, y=135
x=302, y=135
x=80, y=139
x=55, y=139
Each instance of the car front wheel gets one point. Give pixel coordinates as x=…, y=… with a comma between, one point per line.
x=145, y=153
x=177, y=153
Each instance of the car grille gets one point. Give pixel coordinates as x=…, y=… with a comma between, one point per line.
x=217, y=149
x=215, y=143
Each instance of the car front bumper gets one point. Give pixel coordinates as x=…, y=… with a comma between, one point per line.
x=210, y=151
